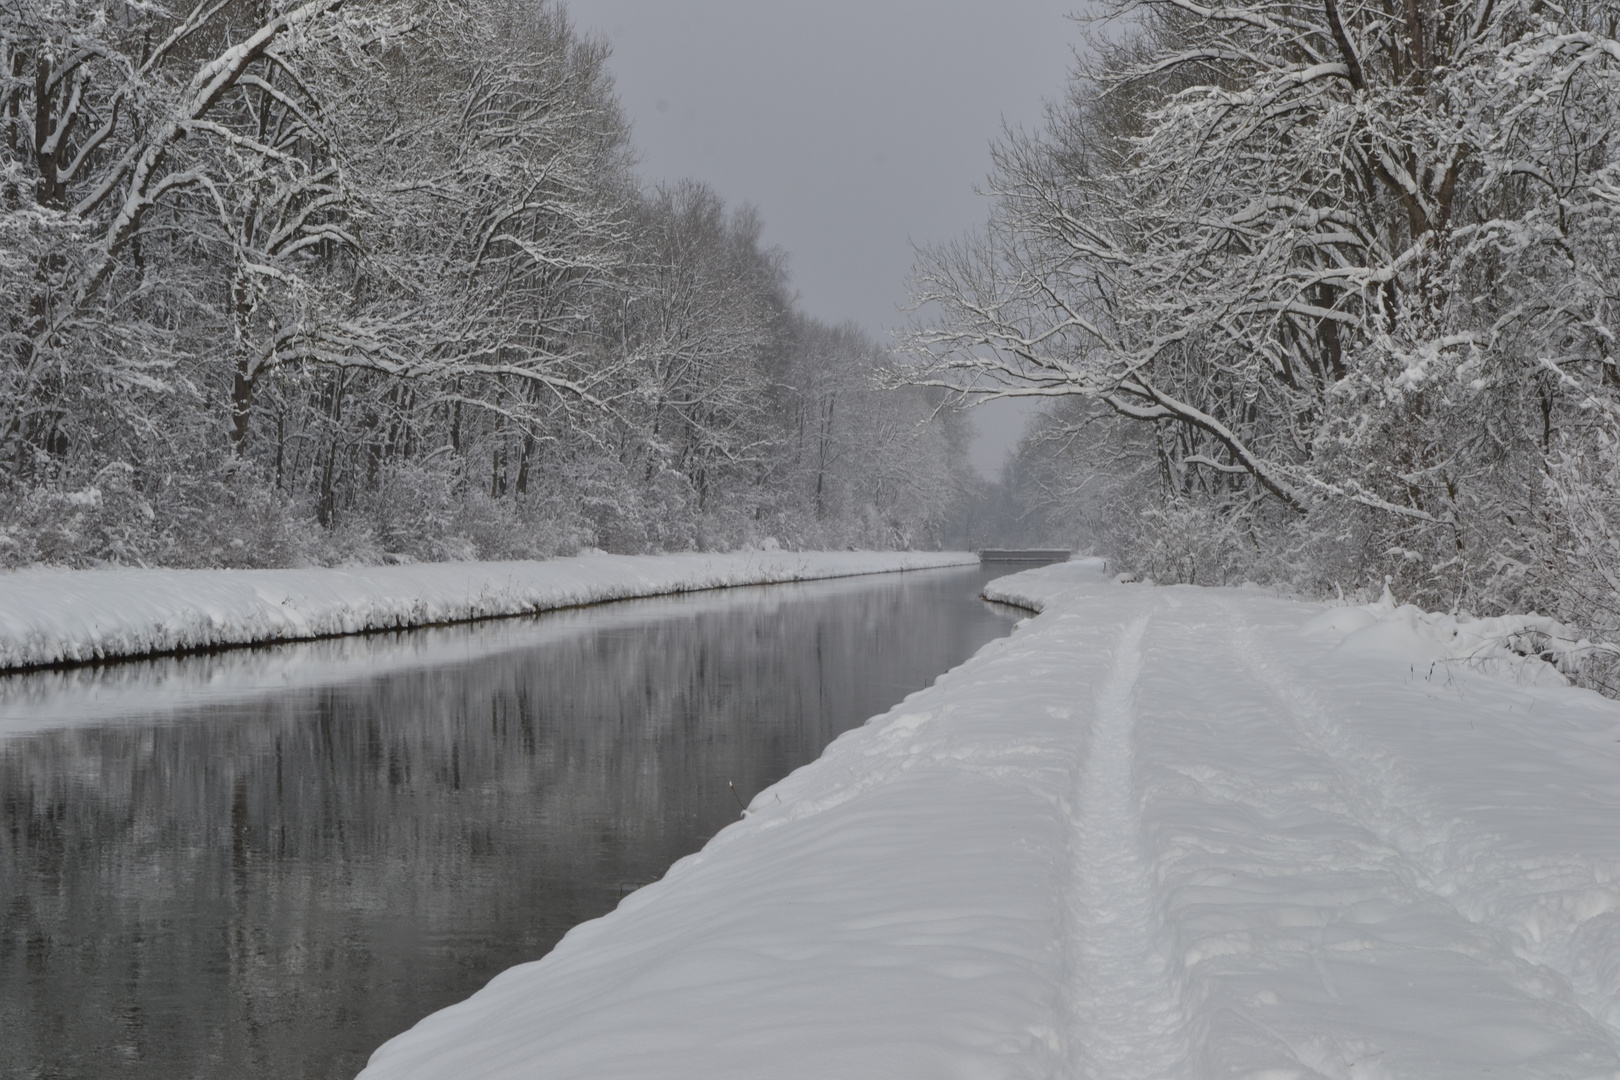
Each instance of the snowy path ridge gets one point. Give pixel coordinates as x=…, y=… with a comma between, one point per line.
x=1156, y=834
x=81, y=616
x=1128, y=1013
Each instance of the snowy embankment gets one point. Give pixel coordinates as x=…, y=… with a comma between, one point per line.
x=1157, y=832
x=76, y=616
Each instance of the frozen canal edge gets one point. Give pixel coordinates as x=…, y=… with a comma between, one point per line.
x=50, y=617
x=913, y=904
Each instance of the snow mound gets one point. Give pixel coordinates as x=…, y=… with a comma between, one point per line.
x=1530, y=649
x=81, y=616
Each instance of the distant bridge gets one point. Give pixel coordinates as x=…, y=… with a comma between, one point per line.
x=1041, y=555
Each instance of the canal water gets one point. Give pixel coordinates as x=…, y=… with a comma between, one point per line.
x=266, y=862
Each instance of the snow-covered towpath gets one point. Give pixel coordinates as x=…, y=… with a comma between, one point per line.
x=1158, y=832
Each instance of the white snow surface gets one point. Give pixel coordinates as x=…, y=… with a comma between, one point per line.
x=1156, y=833
x=66, y=616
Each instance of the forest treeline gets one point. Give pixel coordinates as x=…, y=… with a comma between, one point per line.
x=1321, y=293
x=285, y=283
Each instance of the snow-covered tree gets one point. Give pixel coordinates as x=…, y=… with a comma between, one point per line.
x=884, y=467
x=355, y=279
x=158, y=169
x=1347, y=266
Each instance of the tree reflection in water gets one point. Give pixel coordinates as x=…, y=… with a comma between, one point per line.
x=267, y=862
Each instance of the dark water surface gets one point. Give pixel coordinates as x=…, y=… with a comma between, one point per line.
x=265, y=863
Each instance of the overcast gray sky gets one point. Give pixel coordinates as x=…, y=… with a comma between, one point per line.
x=855, y=126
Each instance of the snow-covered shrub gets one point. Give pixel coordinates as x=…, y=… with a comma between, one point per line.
x=106, y=520
x=235, y=517
x=416, y=510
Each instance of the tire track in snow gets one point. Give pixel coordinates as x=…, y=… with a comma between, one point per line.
x=1126, y=1014
x=1443, y=861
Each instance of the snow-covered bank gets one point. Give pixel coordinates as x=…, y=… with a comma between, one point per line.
x=165, y=689
x=1158, y=832
x=68, y=616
